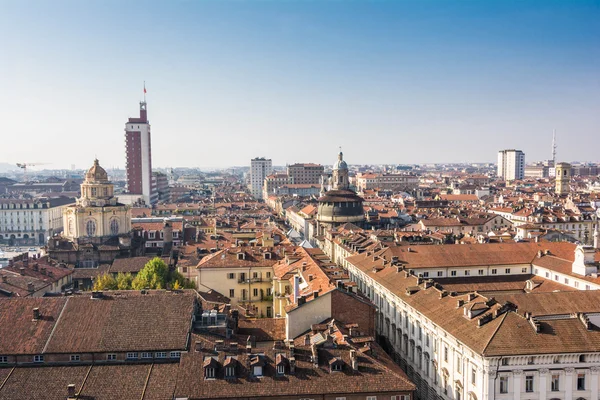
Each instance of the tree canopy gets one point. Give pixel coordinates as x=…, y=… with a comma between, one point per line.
x=154, y=275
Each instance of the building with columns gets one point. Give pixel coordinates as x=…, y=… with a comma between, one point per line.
x=97, y=228
x=514, y=321
x=97, y=212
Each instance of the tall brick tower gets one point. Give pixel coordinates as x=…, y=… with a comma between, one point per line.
x=139, y=155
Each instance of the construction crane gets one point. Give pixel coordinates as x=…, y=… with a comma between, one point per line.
x=24, y=166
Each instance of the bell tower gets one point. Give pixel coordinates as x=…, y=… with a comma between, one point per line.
x=563, y=178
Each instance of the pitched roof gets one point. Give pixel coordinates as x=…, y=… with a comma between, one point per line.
x=19, y=332
x=376, y=374
x=124, y=321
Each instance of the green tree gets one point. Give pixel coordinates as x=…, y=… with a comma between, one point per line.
x=154, y=275
x=105, y=282
x=182, y=282
x=124, y=281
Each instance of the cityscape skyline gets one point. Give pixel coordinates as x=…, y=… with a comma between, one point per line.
x=241, y=80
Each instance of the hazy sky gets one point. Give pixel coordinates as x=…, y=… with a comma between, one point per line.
x=390, y=81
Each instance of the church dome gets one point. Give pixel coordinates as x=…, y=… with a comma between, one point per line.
x=340, y=163
x=96, y=173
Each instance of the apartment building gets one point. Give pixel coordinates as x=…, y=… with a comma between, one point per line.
x=260, y=168
x=305, y=173
x=393, y=182
x=511, y=164
x=243, y=274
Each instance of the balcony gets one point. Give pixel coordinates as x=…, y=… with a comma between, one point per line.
x=249, y=280
x=255, y=299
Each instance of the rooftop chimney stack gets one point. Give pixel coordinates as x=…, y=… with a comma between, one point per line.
x=71, y=392
x=296, y=288
x=354, y=360
x=30, y=287
x=314, y=356
x=36, y=314
x=249, y=345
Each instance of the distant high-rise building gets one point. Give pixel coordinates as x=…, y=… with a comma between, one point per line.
x=259, y=169
x=139, y=157
x=511, y=164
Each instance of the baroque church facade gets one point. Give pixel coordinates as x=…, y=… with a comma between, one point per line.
x=97, y=228
x=97, y=212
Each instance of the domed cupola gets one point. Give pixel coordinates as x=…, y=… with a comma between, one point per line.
x=340, y=205
x=340, y=174
x=96, y=173
x=340, y=163
x=97, y=190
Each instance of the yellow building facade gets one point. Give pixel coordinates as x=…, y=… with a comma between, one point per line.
x=97, y=212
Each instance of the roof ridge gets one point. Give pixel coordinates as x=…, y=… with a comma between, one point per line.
x=495, y=332
x=55, y=325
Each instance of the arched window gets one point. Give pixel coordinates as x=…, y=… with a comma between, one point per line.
x=90, y=227
x=114, y=227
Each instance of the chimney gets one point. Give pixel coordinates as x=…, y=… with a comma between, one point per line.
x=4, y=278
x=30, y=287
x=314, y=356
x=249, y=345
x=354, y=360
x=296, y=288
x=307, y=340
x=35, y=266
x=97, y=294
x=292, y=361
x=36, y=314
x=71, y=392
x=22, y=270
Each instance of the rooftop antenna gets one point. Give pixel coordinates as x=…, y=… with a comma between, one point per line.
x=554, y=148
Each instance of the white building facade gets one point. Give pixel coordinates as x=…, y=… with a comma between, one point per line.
x=31, y=221
x=470, y=346
x=511, y=164
x=260, y=167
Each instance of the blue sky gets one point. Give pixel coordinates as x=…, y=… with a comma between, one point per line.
x=390, y=81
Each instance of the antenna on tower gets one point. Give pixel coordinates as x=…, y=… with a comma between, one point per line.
x=144, y=91
x=554, y=148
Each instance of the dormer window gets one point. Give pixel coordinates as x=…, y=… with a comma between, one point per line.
x=257, y=364
x=209, y=373
x=230, y=372
x=210, y=368
x=241, y=256
x=281, y=369
x=335, y=365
